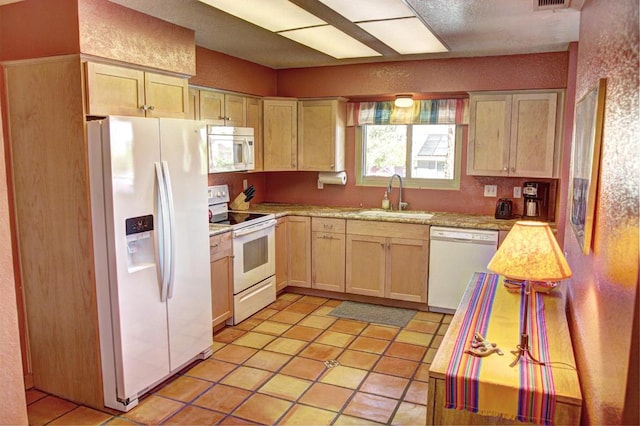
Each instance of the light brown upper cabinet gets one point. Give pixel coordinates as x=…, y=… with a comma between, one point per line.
x=280, y=134
x=223, y=109
x=515, y=134
x=115, y=90
x=321, y=135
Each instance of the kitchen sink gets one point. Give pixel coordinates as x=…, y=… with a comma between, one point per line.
x=397, y=214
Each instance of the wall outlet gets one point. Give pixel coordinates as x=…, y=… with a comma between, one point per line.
x=491, y=190
x=245, y=185
x=320, y=184
x=517, y=192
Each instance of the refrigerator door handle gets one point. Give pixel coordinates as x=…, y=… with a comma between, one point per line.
x=172, y=227
x=164, y=233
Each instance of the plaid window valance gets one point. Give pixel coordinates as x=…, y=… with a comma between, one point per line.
x=433, y=111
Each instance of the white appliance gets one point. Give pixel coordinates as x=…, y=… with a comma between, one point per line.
x=254, y=254
x=454, y=255
x=148, y=178
x=230, y=148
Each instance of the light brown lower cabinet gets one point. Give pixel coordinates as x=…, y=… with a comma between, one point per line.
x=282, y=254
x=328, y=254
x=389, y=260
x=299, y=247
x=221, y=257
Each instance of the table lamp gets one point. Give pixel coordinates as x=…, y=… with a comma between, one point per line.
x=529, y=253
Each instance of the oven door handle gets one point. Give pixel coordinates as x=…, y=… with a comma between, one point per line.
x=254, y=228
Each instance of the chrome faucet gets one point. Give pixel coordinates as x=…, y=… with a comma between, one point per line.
x=401, y=205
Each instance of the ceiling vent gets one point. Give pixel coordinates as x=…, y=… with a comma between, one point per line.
x=539, y=5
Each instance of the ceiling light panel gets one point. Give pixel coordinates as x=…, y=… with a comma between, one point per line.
x=331, y=41
x=274, y=15
x=369, y=10
x=406, y=36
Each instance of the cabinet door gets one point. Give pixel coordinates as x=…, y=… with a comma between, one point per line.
x=489, y=127
x=221, y=290
x=533, y=135
x=328, y=261
x=194, y=104
x=166, y=96
x=113, y=90
x=282, y=254
x=235, y=110
x=407, y=264
x=321, y=135
x=365, y=271
x=254, y=120
x=280, y=134
x=299, y=241
x=212, y=107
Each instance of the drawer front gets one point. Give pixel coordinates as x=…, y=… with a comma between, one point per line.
x=388, y=229
x=220, y=245
x=324, y=224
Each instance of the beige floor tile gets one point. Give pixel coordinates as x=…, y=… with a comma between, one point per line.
x=153, y=410
x=372, y=407
x=228, y=335
x=82, y=416
x=216, y=346
x=248, y=324
x=430, y=355
x=314, y=300
x=222, y=398
x=348, y=326
x=369, y=344
x=280, y=304
x=236, y=421
x=304, y=368
x=358, y=359
x=334, y=338
x=414, y=338
x=303, y=415
x=406, y=351
x=317, y=322
x=272, y=327
x=290, y=296
x=422, y=373
x=443, y=329
x=320, y=352
x=267, y=360
x=286, y=346
x=301, y=332
x=33, y=395
x=380, y=331
x=254, y=340
x=333, y=302
x=347, y=377
x=327, y=396
x=211, y=369
x=410, y=414
x=120, y=421
x=447, y=319
x=263, y=409
x=234, y=353
x=417, y=392
x=323, y=311
x=247, y=378
x=435, y=343
x=396, y=366
x=264, y=314
x=301, y=307
x=48, y=408
x=384, y=385
x=429, y=316
x=184, y=388
x=422, y=326
x=287, y=317
x=344, y=420
x=191, y=415
x=285, y=387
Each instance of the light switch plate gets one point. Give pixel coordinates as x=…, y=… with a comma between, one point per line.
x=517, y=192
x=491, y=190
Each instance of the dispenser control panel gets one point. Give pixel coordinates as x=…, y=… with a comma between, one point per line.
x=137, y=225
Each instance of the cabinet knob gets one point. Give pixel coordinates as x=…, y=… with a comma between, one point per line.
x=505, y=168
x=151, y=107
x=513, y=169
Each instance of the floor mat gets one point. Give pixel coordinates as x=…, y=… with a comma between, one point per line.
x=398, y=317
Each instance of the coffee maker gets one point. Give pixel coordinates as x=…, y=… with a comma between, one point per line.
x=536, y=201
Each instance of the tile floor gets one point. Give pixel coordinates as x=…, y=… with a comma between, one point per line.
x=270, y=369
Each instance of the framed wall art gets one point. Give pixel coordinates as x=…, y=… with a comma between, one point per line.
x=585, y=163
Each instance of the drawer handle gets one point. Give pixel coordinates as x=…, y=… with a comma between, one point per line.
x=214, y=245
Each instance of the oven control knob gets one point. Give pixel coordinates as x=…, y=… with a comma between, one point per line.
x=218, y=194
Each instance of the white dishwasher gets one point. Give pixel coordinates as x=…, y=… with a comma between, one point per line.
x=454, y=255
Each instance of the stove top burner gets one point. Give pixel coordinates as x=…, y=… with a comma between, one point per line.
x=237, y=218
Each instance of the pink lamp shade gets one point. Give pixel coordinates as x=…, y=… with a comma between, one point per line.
x=530, y=252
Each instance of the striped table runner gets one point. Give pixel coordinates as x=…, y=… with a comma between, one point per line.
x=488, y=386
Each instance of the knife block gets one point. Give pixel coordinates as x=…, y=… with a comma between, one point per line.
x=239, y=204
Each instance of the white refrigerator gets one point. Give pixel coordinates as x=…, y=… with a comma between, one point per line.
x=148, y=180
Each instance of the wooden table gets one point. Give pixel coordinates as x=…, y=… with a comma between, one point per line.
x=568, y=397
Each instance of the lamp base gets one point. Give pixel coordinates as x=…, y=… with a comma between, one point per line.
x=524, y=354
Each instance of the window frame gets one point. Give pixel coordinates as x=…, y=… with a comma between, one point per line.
x=419, y=183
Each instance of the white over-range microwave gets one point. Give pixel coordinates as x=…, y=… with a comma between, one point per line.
x=231, y=149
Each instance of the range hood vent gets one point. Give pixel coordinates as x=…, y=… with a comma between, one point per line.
x=539, y=5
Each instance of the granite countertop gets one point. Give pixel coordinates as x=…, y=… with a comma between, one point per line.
x=456, y=220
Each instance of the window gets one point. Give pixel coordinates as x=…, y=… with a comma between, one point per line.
x=425, y=155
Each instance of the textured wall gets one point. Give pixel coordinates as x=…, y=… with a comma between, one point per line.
x=603, y=289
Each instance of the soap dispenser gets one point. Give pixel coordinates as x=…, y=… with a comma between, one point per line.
x=385, y=201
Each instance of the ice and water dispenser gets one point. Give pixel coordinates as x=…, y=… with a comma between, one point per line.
x=140, y=242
